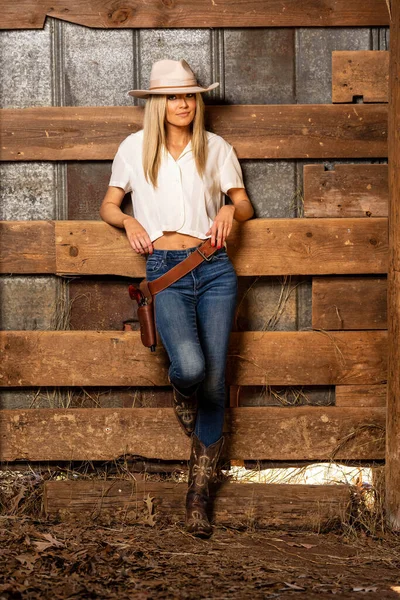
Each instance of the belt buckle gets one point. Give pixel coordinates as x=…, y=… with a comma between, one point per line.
x=205, y=257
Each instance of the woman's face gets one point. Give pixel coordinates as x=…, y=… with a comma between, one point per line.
x=181, y=109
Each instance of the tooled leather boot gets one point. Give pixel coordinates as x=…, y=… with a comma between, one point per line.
x=185, y=408
x=202, y=471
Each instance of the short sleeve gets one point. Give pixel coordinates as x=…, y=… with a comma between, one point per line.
x=120, y=173
x=231, y=172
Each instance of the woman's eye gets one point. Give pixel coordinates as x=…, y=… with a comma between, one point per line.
x=171, y=97
x=189, y=95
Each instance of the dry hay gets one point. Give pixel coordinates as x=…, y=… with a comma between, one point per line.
x=296, y=204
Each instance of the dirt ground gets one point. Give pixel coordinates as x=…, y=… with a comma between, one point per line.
x=77, y=559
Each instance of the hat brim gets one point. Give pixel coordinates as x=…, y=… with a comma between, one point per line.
x=178, y=90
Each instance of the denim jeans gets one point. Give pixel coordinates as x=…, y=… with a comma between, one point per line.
x=194, y=318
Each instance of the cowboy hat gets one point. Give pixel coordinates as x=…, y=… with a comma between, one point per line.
x=171, y=77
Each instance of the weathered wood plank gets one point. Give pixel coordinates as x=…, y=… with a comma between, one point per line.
x=31, y=14
x=27, y=247
x=361, y=395
x=392, y=469
x=272, y=505
x=348, y=191
x=360, y=73
x=300, y=433
x=349, y=303
x=256, y=131
x=112, y=358
x=293, y=246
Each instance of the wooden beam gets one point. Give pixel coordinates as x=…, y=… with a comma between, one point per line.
x=27, y=247
x=347, y=191
x=267, y=505
x=113, y=358
x=360, y=73
x=31, y=14
x=262, y=433
x=256, y=131
x=349, y=303
x=361, y=395
x=293, y=247
x=392, y=475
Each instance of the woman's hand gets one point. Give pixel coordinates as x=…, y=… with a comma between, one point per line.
x=222, y=225
x=138, y=237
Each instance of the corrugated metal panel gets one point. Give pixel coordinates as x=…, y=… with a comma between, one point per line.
x=98, y=66
x=27, y=191
x=259, y=66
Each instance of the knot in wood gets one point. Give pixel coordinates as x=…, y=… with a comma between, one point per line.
x=73, y=251
x=373, y=241
x=120, y=15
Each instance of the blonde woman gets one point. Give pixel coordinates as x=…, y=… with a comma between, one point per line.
x=177, y=174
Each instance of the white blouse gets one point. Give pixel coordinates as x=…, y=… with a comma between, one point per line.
x=183, y=201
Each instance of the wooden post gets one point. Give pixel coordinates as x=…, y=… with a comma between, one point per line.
x=392, y=474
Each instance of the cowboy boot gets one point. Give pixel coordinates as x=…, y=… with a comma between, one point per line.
x=185, y=408
x=202, y=471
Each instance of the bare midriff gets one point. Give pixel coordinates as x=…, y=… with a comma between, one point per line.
x=172, y=240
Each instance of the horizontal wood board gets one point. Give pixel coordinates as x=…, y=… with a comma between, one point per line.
x=272, y=505
x=31, y=14
x=346, y=191
x=361, y=395
x=256, y=247
x=342, y=303
x=256, y=131
x=112, y=358
x=360, y=73
x=27, y=247
x=301, y=433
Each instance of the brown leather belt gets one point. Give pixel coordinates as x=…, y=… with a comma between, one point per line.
x=202, y=252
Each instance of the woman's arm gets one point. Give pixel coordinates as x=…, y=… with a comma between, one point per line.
x=110, y=210
x=240, y=200
x=111, y=213
x=240, y=210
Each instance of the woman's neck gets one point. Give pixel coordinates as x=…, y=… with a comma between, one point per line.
x=178, y=136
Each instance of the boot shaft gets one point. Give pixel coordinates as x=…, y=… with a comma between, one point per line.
x=203, y=464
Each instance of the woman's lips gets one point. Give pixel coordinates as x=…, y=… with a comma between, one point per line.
x=183, y=114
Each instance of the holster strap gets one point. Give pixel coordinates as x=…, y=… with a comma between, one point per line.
x=187, y=265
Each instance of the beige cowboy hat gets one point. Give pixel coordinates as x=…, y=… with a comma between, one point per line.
x=171, y=77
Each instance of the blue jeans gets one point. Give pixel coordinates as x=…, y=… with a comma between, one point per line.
x=194, y=318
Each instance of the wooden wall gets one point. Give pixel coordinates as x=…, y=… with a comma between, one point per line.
x=338, y=243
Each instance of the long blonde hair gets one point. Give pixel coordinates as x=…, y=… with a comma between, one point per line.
x=155, y=139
